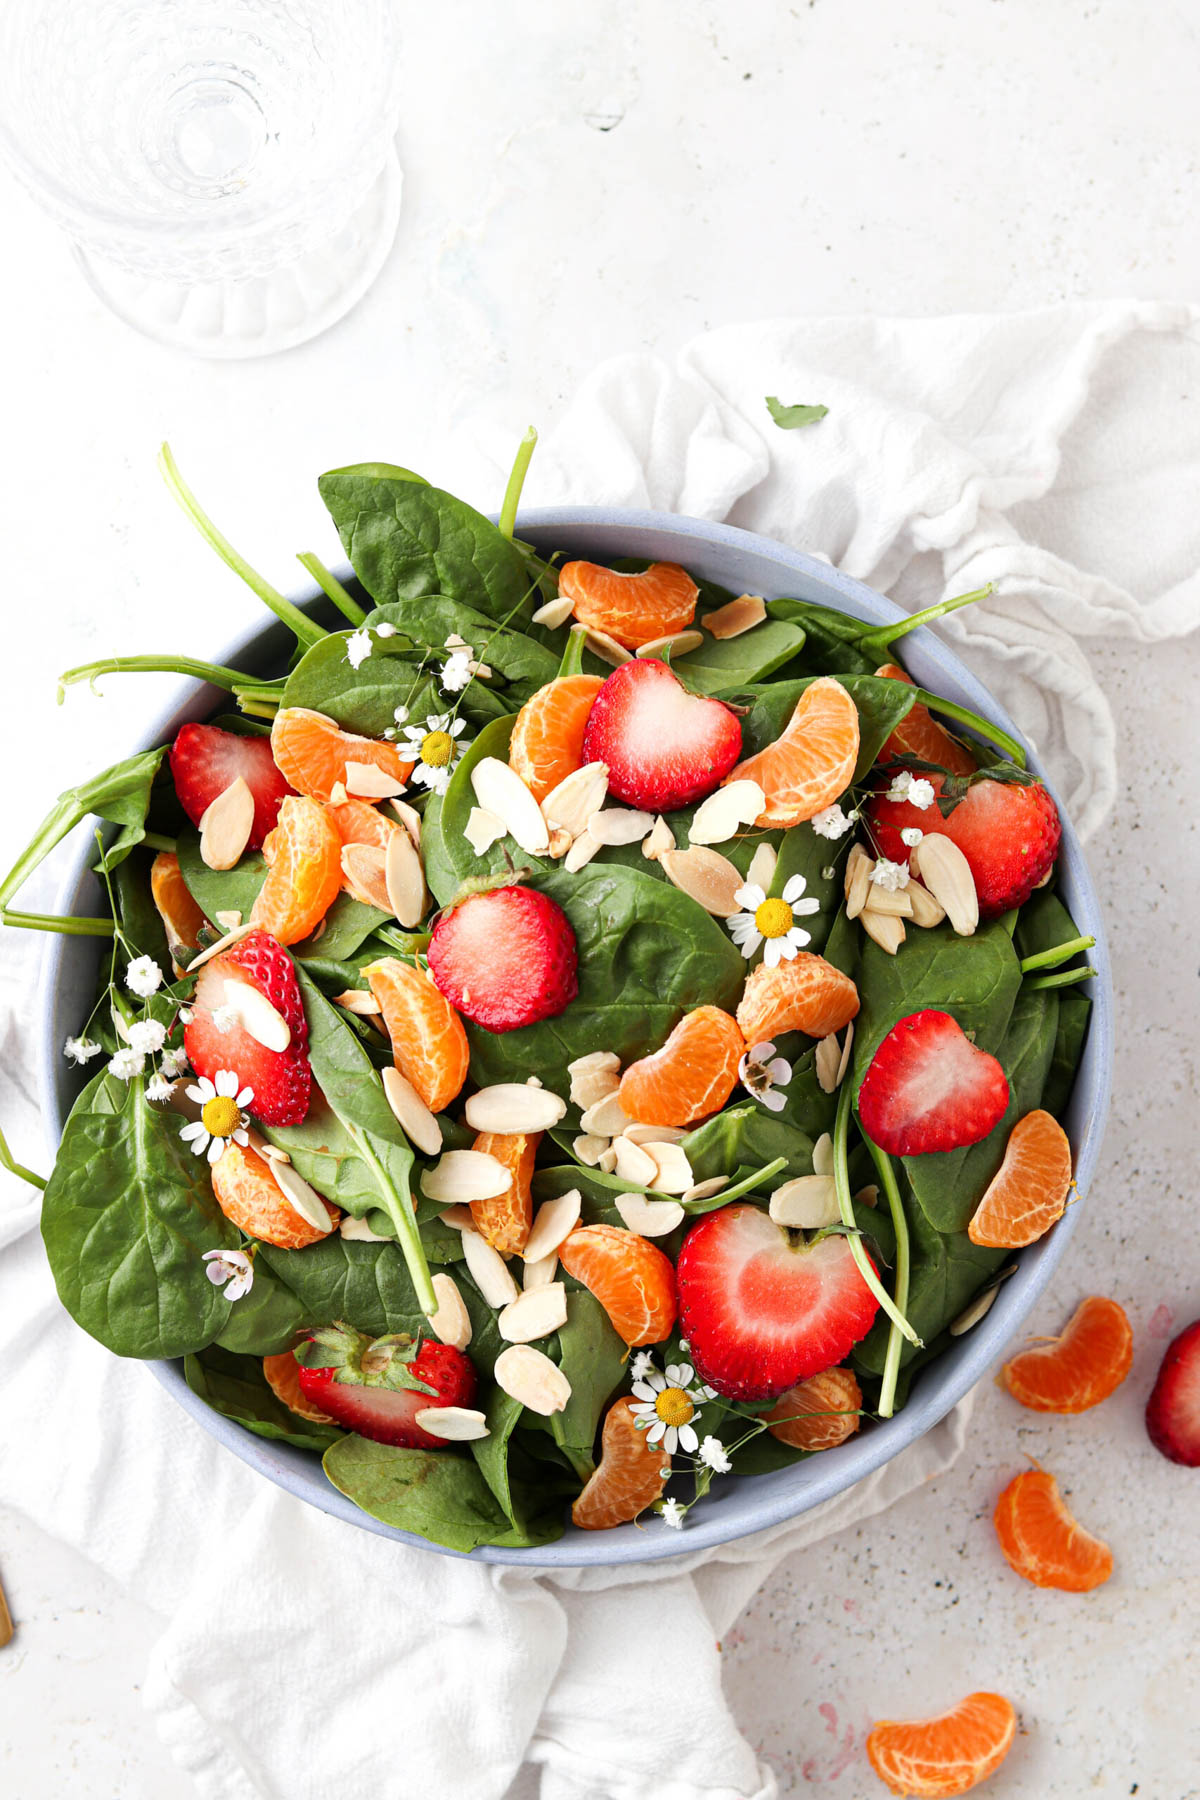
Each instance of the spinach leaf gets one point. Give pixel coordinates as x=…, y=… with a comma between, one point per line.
x=947, y=1272
x=881, y=704
x=747, y=1136
x=1074, y=1011
x=791, y=418
x=593, y=1358
x=436, y=1494
x=721, y=665
x=832, y=638
x=363, y=699
x=348, y=923
x=140, y=920
x=236, y=1387
x=449, y=859
x=523, y=660
x=366, y=1284
x=820, y=861
x=120, y=794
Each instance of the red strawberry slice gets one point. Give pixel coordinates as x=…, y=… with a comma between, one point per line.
x=281, y=1079
x=1009, y=834
x=761, y=1309
x=1173, y=1410
x=930, y=1088
x=664, y=747
x=206, y=760
x=388, y=1415
x=505, y=958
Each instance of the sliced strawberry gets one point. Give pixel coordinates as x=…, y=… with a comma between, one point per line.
x=761, y=1309
x=1173, y=1410
x=930, y=1088
x=1008, y=832
x=505, y=958
x=354, y=1390
x=206, y=760
x=664, y=747
x=281, y=1079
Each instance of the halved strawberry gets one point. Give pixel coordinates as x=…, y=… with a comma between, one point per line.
x=664, y=747
x=761, y=1309
x=505, y=958
x=1009, y=833
x=1173, y=1410
x=355, y=1386
x=281, y=1079
x=206, y=760
x=930, y=1088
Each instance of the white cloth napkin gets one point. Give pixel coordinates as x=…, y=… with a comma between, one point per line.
x=1052, y=453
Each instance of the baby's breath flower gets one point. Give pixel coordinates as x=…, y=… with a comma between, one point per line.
x=126, y=1064
x=143, y=977
x=889, y=875
x=159, y=1088
x=456, y=671
x=911, y=835
x=913, y=788
x=147, y=1035
x=81, y=1049
x=672, y=1513
x=358, y=648
x=642, y=1363
x=174, y=1062
x=387, y=629
x=224, y=1018
x=714, y=1454
x=832, y=822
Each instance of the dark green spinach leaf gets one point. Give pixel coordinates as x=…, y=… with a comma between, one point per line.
x=236, y=1387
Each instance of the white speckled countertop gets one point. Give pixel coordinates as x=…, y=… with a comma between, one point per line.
x=678, y=167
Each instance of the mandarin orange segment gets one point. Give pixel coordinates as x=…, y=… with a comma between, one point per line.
x=429, y=1044
x=505, y=1220
x=813, y=762
x=804, y=994
x=630, y=1277
x=947, y=1755
x=1028, y=1193
x=547, y=740
x=282, y=1374
x=634, y=609
x=919, y=734
x=628, y=1477
x=1043, y=1541
x=358, y=822
x=252, y=1199
x=304, y=872
x=311, y=752
x=692, y=1075
x=1078, y=1370
x=182, y=918
x=817, y=1414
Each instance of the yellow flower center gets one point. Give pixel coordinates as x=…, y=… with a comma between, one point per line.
x=673, y=1407
x=774, y=918
x=437, y=747
x=220, y=1116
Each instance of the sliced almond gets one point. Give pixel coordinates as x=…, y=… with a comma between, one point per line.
x=1047, y=877
x=633, y=1163
x=847, y=1043
x=723, y=814
x=553, y=1223
x=535, y=1313
x=858, y=880
x=456, y=1424
x=674, y=1170
x=577, y=798
x=806, y=1204
x=257, y=1016
x=337, y=794
x=410, y=818
x=946, y=872
x=978, y=1309
x=364, y=868
x=761, y=872
x=607, y=1159
x=359, y=1001
x=706, y=877
x=560, y=841
x=828, y=1056
x=660, y=838
x=529, y=1376
x=466, y=1175
x=226, y=824
x=883, y=900
x=620, y=825
x=736, y=616
x=589, y=1149
x=606, y=648
x=607, y=1118
x=593, y=1076
x=458, y=1218
x=359, y=1232
x=654, y=1134
x=371, y=782
x=541, y=1273
x=704, y=1190
x=582, y=851
x=483, y=829
x=228, y=921
x=501, y=791
x=885, y=929
x=926, y=911
x=416, y=1121
x=822, y=1155
x=302, y=1198
x=554, y=613
x=489, y=1270
x=677, y=642
x=451, y=1323
x=272, y=1152
x=649, y=1218
x=404, y=879
x=511, y=1107
x=867, y=1196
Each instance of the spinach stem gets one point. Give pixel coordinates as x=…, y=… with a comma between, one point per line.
x=329, y=584
x=400, y=1211
x=1059, y=953
x=258, y=706
x=891, y=1361
x=572, y=656
x=230, y=680
x=9, y=1162
x=884, y=636
x=516, y=481
x=66, y=925
x=744, y=1186
x=154, y=840
x=841, y=1176
x=303, y=628
x=1064, y=978
x=983, y=728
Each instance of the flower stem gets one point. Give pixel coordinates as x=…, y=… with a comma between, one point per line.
x=1059, y=953
x=9, y=1162
x=841, y=1176
x=884, y=636
x=66, y=925
x=230, y=680
x=1064, y=978
x=516, y=481
x=154, y=840
x=744, y=1186
x=891, y=1361
x=329, y=584
x=983, y=728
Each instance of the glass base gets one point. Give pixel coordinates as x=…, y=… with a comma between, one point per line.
x=264, y=313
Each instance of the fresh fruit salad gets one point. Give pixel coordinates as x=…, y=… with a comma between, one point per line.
x=571, y=1034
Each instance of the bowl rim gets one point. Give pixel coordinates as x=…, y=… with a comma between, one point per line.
x=773, y=1502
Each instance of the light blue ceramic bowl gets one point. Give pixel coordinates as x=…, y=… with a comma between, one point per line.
x=736, y=1506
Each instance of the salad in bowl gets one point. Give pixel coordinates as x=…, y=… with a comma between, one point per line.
x=568, y=1036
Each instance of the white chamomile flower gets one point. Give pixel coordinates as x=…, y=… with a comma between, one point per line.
x=358, y=648
x=81, y=1050
x=387, y=629
x=143, y=977
x=913, y=788
x=891, y=876
x=715, y=1456
x=832, y=822
x=159, y=1088
x=173, y=1063
x=456, y=671
x=642, y=1363
x=666, y=1405
x=433, y=747
x=761, y=1073
x=911, y=835
x=230, y=1269
x=771, y=921
x=126, y=1064
x=148, y=1036
x=672, y=1513
x=225, y=1018
x=221, y=1117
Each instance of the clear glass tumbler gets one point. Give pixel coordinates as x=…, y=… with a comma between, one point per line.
x=226, y=169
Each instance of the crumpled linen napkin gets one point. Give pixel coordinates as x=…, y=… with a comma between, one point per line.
x=1049, y=452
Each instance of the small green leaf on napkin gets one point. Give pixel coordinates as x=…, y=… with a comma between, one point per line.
x=790, y=418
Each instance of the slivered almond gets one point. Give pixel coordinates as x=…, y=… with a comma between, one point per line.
x=735, y=616
x=228, y=920
x=512, y=1107
x=456, y=1424
x=582, y=851
x=458, y=1218
x=500, y=790
x=489, y=1270
x=593, y=1076
x=359, y=1232
x=822, y=1155
x=945, y=871
x=828, y=1056
x=560, y=841
x=553, y=1222
x=620, y=825
x=606, y=648
x=723, y=814
x=674, y=1170
x=858, y=880
x=658, y=839
x=589, y=1149
x=337, y=794
x=483, y=829
x=649, y=1218
x=410, y=818
x=883, y=900
x=358, y=1000
x=867, y=1196
x=554, y=613
x=226, y=824
x=704, y=1190
x=534, y=1314
x=806, y=1204
x=654, y=1134
x=607, y=1159
x=885, y=928
x=370, y=782
x=529, y=1376
x=404, y=879
x=705, y=876
x=302, y=1198
x=633, y=1163
x=271, y=1152
x=577, y=798
x=761, y=872
x=677, y=642
x=978, y=1309
x=451, y=1323
x=607, y=1118
x=926, y=910
x=415, y=1118
x=466, y=1175
x=256, y=1015
x=541, y=1273
x=364, y=868
x=1048, y=876
x=844, y=1064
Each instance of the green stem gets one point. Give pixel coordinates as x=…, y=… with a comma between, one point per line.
x=9, y=1162
x=744, y=1186
x=154, y=840
x=329, y=584
x=305, y=631
x=230, y=680
x=1064, y=978
x=841, y=1176
x=516, y=481
x=258, y=706
x=400, y=1211
x=572, y=656
x=884, y=636
x=1060, y=953
x=983, y=728
x=66, y=926
x=891, y=1361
